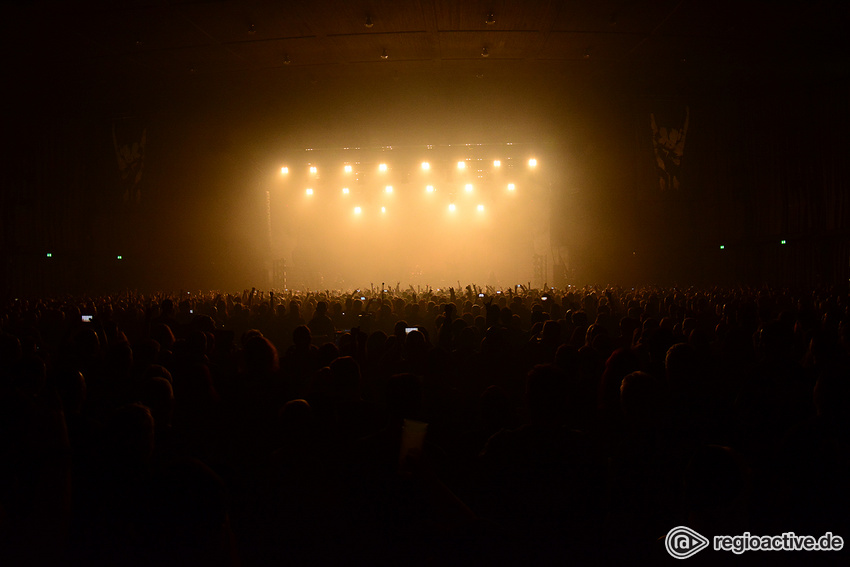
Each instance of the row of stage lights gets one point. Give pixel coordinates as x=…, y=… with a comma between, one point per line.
x=452, y=208
x=426, y=166
x=469, y=188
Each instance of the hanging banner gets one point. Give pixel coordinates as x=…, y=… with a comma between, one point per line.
x=128, y=138
x=668, y=141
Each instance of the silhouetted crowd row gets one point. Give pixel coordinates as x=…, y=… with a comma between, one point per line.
x=563, y=425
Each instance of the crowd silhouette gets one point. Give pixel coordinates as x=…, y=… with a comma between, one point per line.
x=564, y=426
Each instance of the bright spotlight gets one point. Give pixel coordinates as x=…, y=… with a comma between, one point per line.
x=511, y=187
x=468, y=187
x=345, y=190
x=532, y=162
x=284, y=170
x=426, y=166
x=382, y=167
x=357, y=210
x=347, y=169
x=497, y=163
x=461, y=164
x=313, y=169
x=50, y=255
x=309, y=191
x=119, y=257
x=452, y=207
x=429, y=188
x=389, y=189
x=383, y=209
x=480, y=208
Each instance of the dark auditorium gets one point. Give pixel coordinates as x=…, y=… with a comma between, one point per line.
x=425, y=283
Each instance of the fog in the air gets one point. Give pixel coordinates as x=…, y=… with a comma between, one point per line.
x=218, y=212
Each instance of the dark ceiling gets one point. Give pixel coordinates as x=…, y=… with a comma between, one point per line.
x=169, y=39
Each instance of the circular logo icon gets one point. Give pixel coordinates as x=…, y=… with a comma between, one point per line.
x=683, y=542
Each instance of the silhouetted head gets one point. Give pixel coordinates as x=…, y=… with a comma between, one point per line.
x=321, y=308
x=404, y=396
x=682, y=366
x=259, y=356
x=345, y=378
x=495, y=408
x=552, y=332
x=157, y=395
x=162, y=334
x=301, y=336
x=832, y=394
x=639, y=395
x=71, y=387
x=546, y=393
x=188, y=507
x=119, y=359
x=166, y=307
x=296, y=421
x=130, y=435
x=717, y=479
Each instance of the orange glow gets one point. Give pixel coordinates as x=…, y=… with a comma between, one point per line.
x=532, y=162
x=426, y=166
x=429, y=188
x=511, y=187
x=357, y=210
x=389, y=189
x=309, y=191
x=452, y=207
x=284, y=170
x=497, y=163
x=382, y=167
x=345, y=190
x=347, y=169
x=461, y=164
x=313, y=169
x=468, y=187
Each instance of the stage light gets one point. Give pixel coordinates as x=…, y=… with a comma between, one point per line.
x=49, y=255
x=345, y=190
x=426, y=166
x=389, y=189
x=284, y=170
x=532, y=162
x=782, y=241
x=468, y=187
x=357, y=210
x=497, y=163
x=452, y=207
x=309, y=191
x=119, y=257
x=313, y=169
x=722, y=247
x=480, y=208
x=382, y=167
x=429, y=188
x=347, y=169
x=511, y=187
x=383, y=209
x=461, y=164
